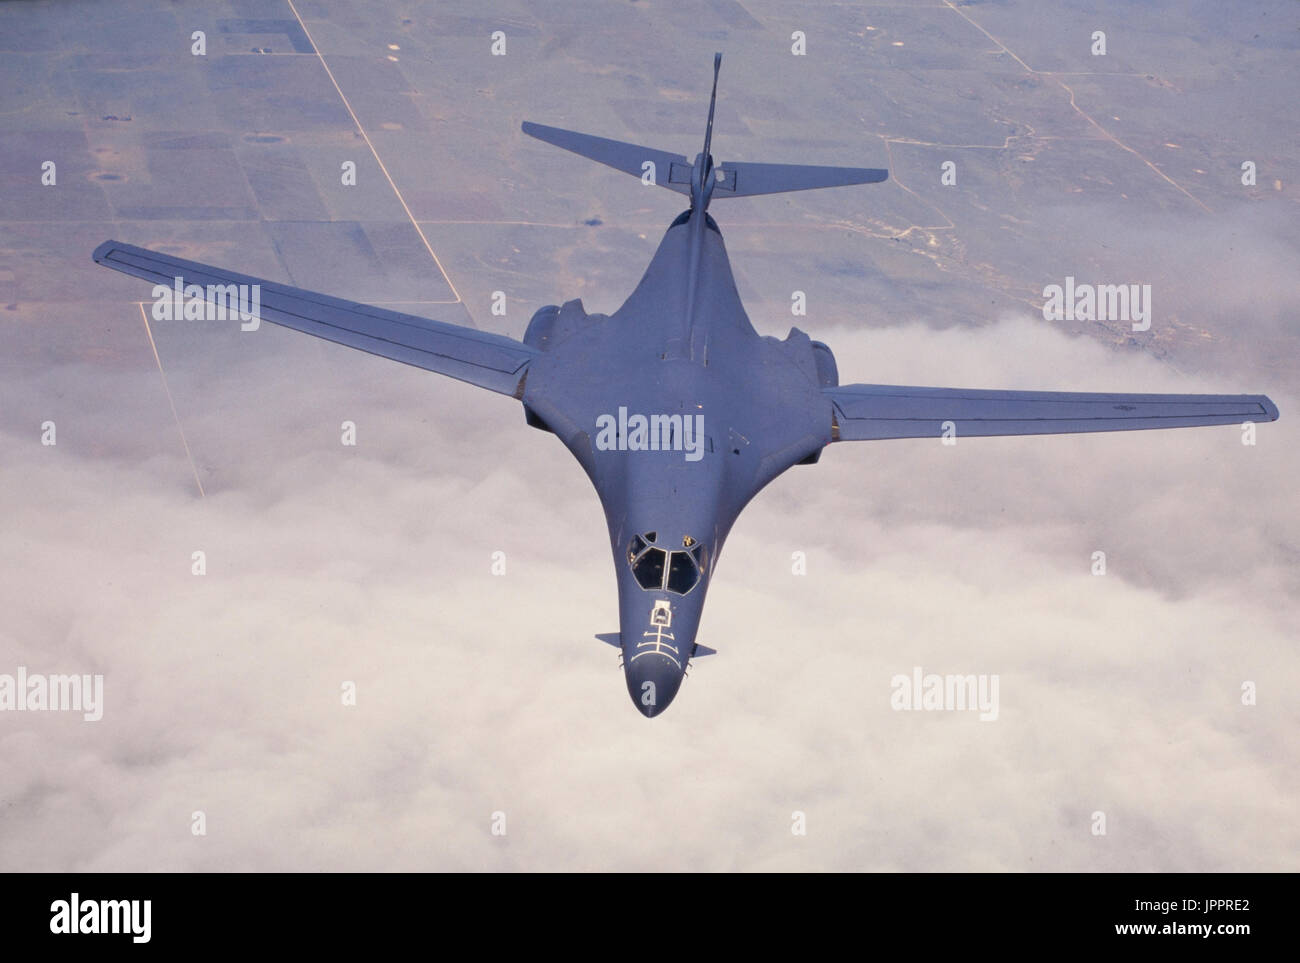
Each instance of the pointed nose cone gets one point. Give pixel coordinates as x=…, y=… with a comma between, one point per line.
x=652, y=681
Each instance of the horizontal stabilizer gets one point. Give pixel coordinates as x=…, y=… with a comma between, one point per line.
x=675, y=172
x=672, y=171
x=745, y=180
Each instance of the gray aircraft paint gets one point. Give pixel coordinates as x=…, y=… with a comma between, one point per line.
x=683, y=344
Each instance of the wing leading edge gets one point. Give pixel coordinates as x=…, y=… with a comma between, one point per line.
x=870, y=412
x=480, y=358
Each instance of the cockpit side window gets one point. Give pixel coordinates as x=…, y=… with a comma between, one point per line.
x=633, y=550
x=701, y=556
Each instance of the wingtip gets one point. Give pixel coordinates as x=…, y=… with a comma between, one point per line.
x=1270, y=409
x=101, y=252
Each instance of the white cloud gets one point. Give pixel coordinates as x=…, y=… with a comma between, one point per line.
x=479, y=694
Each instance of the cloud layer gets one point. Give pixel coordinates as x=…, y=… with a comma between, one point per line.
x=480, y=694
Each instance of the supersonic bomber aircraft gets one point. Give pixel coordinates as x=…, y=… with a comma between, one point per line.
x=678, y=410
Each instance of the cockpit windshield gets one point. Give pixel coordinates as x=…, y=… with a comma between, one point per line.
x=655, y=568
x=682, y=573
x=648, y=568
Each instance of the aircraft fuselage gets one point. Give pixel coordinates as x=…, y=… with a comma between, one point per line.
x=683, y=415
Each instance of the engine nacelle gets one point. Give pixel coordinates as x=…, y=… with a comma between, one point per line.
x=548, y=327
x=828, y=372
x=538, y=333
x=812, y=357
x=551, y=324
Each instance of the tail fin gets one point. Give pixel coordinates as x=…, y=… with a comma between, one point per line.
x=676, y=173
x=713, y=100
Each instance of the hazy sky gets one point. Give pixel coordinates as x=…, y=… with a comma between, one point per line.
x=479, y=694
